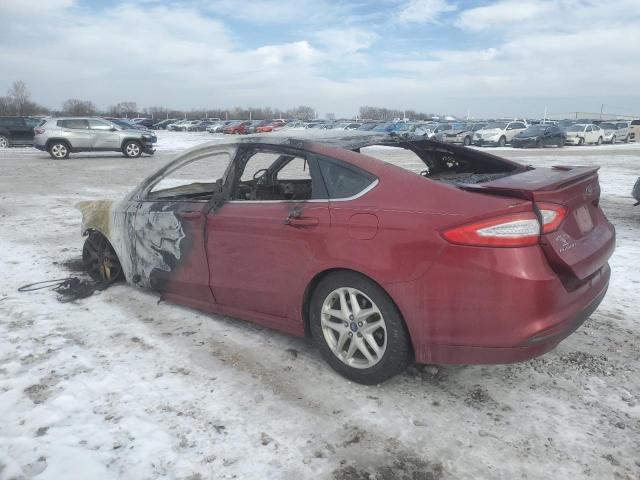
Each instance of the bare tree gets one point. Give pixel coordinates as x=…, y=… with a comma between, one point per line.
x=73, y=106
x=19, y=95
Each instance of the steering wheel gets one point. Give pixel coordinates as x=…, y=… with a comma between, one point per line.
x=260, y=176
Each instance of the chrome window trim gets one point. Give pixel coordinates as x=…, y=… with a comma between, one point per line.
x=361, y=193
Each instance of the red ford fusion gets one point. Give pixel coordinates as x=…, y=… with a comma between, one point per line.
x=470, y=259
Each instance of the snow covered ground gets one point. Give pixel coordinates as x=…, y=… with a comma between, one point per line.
x=119, y=385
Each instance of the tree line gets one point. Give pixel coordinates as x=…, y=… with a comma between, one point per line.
x=18, y=101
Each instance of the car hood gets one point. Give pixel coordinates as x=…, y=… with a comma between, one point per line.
x=492, y=130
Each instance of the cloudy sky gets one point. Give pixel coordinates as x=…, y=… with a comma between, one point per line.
x=486, y=57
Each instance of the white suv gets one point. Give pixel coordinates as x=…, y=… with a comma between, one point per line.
x=499, y=133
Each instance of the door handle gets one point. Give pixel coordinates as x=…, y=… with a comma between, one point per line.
x=301, y=221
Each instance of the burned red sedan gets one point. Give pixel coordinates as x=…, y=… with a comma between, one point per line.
x=474, y=259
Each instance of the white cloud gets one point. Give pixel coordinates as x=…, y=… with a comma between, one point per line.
x=346, y=40
x=31, y=6
x=506, y=14
x=424, y=11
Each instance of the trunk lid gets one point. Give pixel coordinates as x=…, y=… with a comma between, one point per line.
x=585, y=239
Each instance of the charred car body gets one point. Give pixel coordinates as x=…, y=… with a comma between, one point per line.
x=478, y=260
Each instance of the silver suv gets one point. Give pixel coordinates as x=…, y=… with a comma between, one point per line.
x=61, y=136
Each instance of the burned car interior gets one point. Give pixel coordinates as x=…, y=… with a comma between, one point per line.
x=260, y=170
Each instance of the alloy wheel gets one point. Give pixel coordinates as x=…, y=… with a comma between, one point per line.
x=353, y=328
x=100, y=259
x=132, y=149
x=4, y=142
x=59, y=150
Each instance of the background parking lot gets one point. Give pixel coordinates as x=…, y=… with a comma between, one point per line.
x=121, y=384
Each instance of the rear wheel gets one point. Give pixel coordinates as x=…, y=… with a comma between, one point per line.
x=100, y=259
x=132, y=149
x=467, y=141
x=581, y=142
x=4, y=141
x=59, y=150
x=599, y=142
x=502, y=142
x=358, y=329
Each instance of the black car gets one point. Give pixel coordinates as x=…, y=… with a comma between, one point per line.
x=15, y=131
x=538, y=136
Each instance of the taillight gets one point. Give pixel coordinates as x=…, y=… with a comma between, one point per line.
x=552, y=216
x=38, y=131
x=512, y=230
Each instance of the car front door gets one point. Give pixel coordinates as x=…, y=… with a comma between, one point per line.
x=169, y=227
x=104, y=135
x=262, y=242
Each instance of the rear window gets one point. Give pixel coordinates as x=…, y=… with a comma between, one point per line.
x=12, y=122
x=72, y=123
x=344, y=180
x=635, y=122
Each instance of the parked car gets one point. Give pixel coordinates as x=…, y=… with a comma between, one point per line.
x=540, y=135
x=584, y=133
x=145, y=122
x=216, y=127
x=254, y=124
x=635, y=193
x=317, y=239
x=271, y=126
x=461, y=133
x=499, y=133
x=634, y=128
x=161, y=125
x=126, y=124
x=15, y=131
x=237, y=127
x=295, y=125
x=178, y=126
x=62, y=136
x=615, y=131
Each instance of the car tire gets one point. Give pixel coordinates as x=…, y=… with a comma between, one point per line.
x=132, y=149
x=368, y=349
x=466, y=142
x=100, y=259
x=599, y=142
x=539, y=144
x=613, y=140
x=58, y=150
x=581, y=142
x=502, y=141
x=4, y=142
x=561, y=142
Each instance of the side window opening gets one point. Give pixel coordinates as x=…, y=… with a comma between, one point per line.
x=344, y=180
x=278, y=176
x=195, y=180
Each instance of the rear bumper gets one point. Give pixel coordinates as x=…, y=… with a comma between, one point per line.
x=493, y=307
x=538, y=344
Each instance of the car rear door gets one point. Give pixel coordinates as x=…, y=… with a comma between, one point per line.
x=77, y=132
x=263, y=242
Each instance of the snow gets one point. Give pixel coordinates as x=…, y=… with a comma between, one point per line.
x=119, y=385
